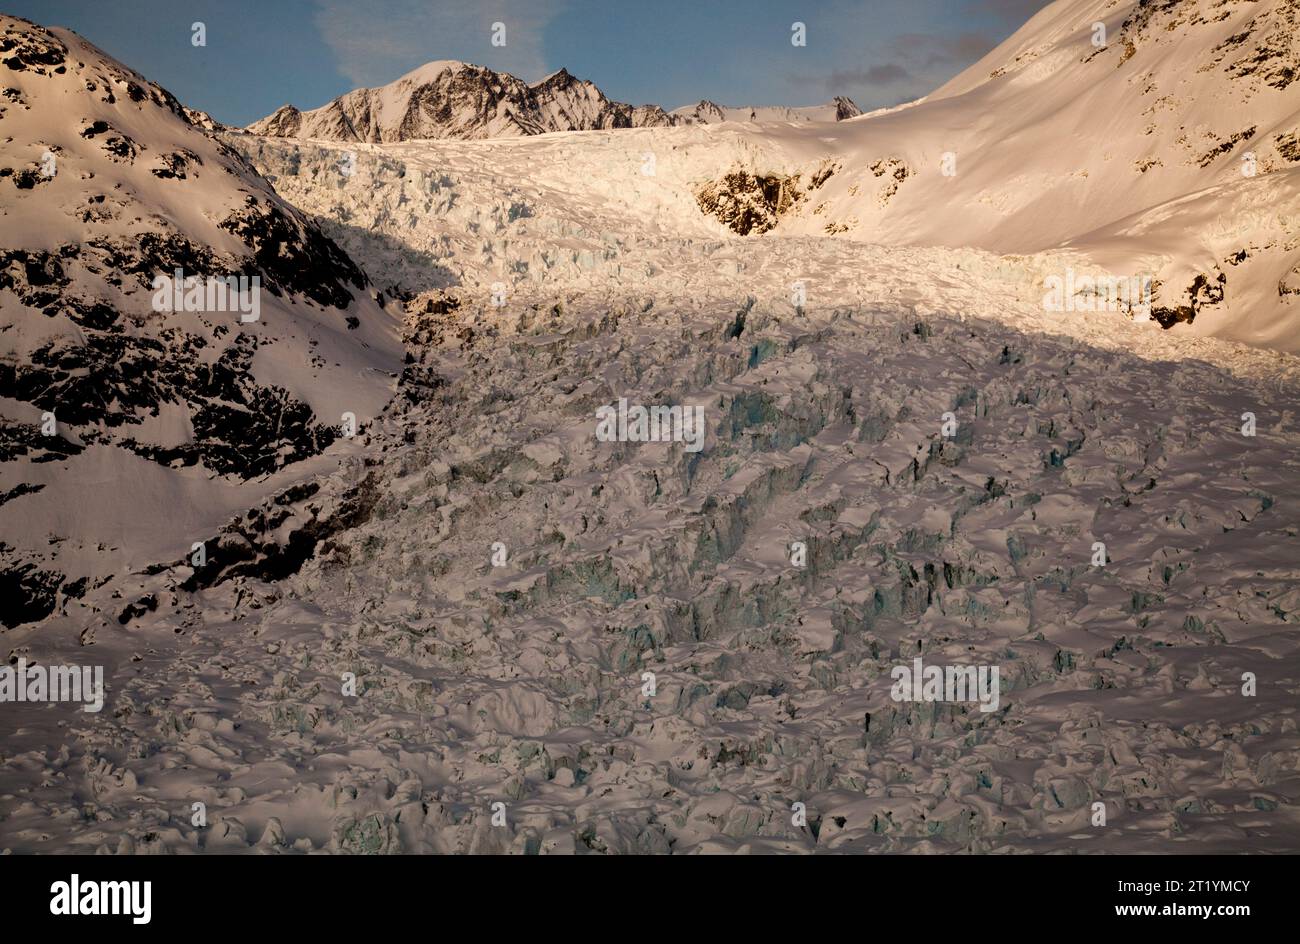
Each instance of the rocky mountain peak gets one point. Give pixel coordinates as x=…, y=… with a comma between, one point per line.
x=450, y=99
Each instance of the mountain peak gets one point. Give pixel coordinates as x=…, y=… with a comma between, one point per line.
x=559, y=76
x=447, y=98
x=430, y=71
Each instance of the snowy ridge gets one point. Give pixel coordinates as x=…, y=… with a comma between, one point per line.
x=1050, y=141
x=448, y=99
x=840, y=108
x=457, y=100
x=106, y=184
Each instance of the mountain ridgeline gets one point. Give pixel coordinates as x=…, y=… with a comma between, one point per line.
x=449, y=99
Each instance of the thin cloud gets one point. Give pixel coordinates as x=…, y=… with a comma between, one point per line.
x=932, y=50
x=842, y=81
x=375, y=43
x=886, y=74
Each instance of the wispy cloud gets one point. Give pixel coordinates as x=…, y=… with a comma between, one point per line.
x=375, y=42
x=885, y=51
x=929, y=50
x=843, y=81
x=913, y=59
x=885, y=74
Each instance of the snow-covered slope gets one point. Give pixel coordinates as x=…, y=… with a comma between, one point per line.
x=105, y=185
x=1051, y=137
x=449, y=99
x=707, y=112
x=510, y=580
x=1050, y=142
x=903, y=455
x=1166, y=146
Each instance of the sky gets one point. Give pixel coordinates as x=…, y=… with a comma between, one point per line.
x=261, y=54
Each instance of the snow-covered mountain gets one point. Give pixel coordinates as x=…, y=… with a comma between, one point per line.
x=1085, y=142
x=642, y=645
x=106, y=184
x=1143, y=140
x=1167, y=143
x=707, y=112
x=449, y=99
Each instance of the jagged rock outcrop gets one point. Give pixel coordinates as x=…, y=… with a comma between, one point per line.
x=707, y=112
x=749, y=203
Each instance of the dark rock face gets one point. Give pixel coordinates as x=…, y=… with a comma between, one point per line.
x=747, y=203
x=293, y=255
x=751, y=204
x=247, y=548
x=27, y=592
x=1202, y=293
x=40, y=52
x=708, y=111
x=113, y=379
x=174, y=165
x=114, y=382
x=25, y=440
x=845, y=108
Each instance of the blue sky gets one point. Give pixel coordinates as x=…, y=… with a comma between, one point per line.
x=260, y=55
